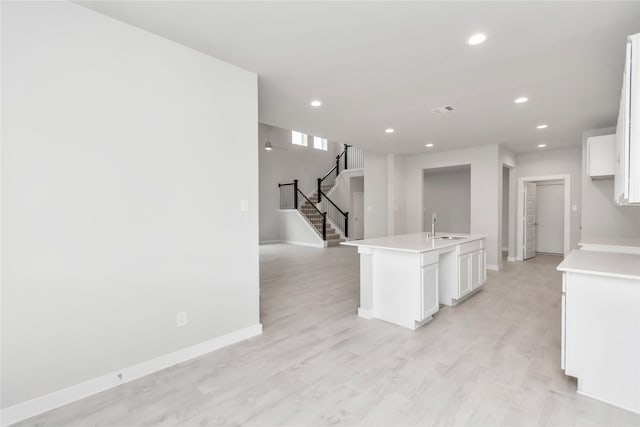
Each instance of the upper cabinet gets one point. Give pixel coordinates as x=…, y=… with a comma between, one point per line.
x=627, y=172
x=601, y=156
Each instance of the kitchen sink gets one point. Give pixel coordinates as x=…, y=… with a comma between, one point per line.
x=450, y=237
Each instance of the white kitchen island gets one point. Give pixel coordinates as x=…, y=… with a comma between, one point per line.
x=404, y=278
x=601, y=325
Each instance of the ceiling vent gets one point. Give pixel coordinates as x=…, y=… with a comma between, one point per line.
x=442, y=110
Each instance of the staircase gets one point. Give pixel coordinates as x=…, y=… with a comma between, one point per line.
x=329, y=221
x=314, y=218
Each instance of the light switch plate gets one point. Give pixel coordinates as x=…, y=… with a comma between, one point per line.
x=181, y=318
x=244, y=206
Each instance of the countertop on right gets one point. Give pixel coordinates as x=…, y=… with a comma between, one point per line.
x=610, y=241
x=623, y=266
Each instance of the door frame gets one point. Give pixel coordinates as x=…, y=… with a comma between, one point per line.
x=352, y=217
x=520, y=217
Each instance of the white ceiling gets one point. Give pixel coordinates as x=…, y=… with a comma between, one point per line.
x=386, y=64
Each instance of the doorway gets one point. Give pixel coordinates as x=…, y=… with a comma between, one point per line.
x=543, y=216
x=447, y=192
x=549, y=219
x=356, y=212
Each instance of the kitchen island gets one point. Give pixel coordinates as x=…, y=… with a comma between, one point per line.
x=600, y=343
x=405, y=278
x=616, y=245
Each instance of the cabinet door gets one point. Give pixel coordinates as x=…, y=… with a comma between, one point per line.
x=464, y=274
x=483, y=267
x=429, y=291
x=601, y=156
x=476, y=274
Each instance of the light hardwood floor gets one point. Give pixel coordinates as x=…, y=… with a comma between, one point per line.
x=493, y=360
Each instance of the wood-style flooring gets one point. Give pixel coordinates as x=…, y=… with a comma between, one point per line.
x=493, y=360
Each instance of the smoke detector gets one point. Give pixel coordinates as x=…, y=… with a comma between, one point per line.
x=442, y=110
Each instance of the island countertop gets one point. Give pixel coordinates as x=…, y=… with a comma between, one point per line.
x=611, y=241
x=623, y=266
x=415, y=242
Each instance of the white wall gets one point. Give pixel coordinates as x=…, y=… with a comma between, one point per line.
x=600, y=216
x=295, y=229
x=125, y=160
x=557, y=162
x=505, y=208
x=447, y=191
x=375, y=195
x=395, y=194
x=486, y=188
x=283, y=164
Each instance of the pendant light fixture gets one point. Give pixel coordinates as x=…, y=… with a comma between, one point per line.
x=268, y=146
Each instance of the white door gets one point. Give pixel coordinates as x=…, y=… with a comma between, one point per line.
x=357, y=215
x=476, y=269
x=429, y=291
x=464, y=275
x=529, y=220
x=550, y=218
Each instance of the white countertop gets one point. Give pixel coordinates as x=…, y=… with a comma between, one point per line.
x=414, y=242
x=624, y=266
x=611, y=241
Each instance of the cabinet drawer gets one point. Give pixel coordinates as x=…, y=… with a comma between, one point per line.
x=428, y=258
x=465, y=248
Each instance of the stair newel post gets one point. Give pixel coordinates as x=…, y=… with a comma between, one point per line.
x=346, y=224
x=295, y=194
x=346, y=151
x=337, y=166
x=324, y=226
x=319, y=190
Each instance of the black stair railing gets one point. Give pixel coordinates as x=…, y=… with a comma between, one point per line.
x=352, y=158
x=339, y=217
x=289, y=196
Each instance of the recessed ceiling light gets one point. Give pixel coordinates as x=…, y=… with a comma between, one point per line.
x=521, y=100
x=429, y=145
x=316, y=103
x=541, y=126
x=477, y=39
x=542, y=145
x=389, y=130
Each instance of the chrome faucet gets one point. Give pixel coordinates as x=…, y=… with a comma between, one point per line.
x=434, y=218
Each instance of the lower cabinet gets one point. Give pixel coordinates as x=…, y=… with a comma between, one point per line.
x=472, y=271
x=464, y=275
x=429, y=292
x=478, y=268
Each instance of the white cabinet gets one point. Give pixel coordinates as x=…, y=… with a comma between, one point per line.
x=601, y=156
x=627, y=172
x=472, y=267
x=464, y=275
x=477, y=268
x=429, y=292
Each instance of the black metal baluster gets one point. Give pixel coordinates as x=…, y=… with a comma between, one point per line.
x=324, y=226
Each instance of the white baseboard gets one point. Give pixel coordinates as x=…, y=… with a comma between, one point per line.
x=626, y=408
x=270, y=242
x=511, y=258
x=50, y=401
x=313, y=245
x=492, y=267
x=365, y=313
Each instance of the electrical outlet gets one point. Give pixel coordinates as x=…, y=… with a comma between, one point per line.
x=181, y=318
